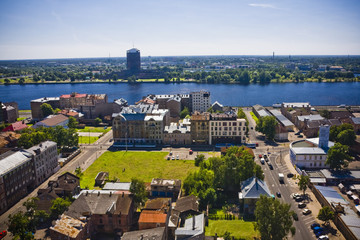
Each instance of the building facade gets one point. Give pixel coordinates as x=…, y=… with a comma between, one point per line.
x=177, y=134
x=35, y=105
x=133, y=62
x=200, y=128
x=200, y=101
x=226, y=128
x=45, y=160
x=16, y=177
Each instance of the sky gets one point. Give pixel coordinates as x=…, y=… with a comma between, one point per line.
x=40, y=29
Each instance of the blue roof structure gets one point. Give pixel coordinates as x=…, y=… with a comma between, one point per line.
x=253, y=188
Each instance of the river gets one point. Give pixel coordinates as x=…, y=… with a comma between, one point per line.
x=227, y=94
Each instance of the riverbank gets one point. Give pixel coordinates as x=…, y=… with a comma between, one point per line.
x=161, y=80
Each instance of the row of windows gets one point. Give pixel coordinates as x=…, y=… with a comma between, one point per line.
x=225, y=134
x=225, y=123
x=227, y=128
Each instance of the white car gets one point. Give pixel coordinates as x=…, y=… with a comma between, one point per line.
x=177, y=157
x=323, y=237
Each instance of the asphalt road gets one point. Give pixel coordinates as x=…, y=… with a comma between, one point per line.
x=89, y=153
x=303, y=230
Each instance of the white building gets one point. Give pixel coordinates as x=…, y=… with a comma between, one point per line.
x=226, y=128
x=154, y=125
x=200, y=101
x=45, y=160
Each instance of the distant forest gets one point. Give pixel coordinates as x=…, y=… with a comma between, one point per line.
x=206, y=69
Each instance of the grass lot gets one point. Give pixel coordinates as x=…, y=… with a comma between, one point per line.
x=254, y=117
x=25, y=111
x=20, y=118
x=238, y=228
x=95, y=129
x=142, y=165
x=85, y=139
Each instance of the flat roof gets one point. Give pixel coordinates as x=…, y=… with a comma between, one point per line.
x=117, y=186
x=281, y=118
x=296, y=104
x=310, y=117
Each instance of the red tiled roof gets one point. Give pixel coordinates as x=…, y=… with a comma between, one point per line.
x=148, y=216
x=17, y=126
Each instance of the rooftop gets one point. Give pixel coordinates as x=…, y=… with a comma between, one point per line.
x=13, y=160
x=149, y=216
x=193, y=227
x=253, y=188
x=117, y=186
x=46, y=99
x=296, y=104
x=54, y=120
x=175, y=128
x=68, y=226
x=133, y=50
x=165, y=182
x=148, y=234
x=281, y=118
x=310, y=117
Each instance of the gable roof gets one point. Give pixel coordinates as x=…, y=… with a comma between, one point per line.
x=149, y=216
x=16, y=126
x=55, y=120
x=193, y=227
x=147, y=234
x=100, y=203
x=187, y=203
x=158, y=204
x=253, y=188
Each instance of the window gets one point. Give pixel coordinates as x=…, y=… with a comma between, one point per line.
x=224, y=123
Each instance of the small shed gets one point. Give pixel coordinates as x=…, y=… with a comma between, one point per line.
x=100, y=178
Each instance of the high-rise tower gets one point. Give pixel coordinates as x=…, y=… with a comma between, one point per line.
x=133, y=60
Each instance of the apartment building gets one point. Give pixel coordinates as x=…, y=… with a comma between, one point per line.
x=200, y=101
x=35, y=105
x=16, y=177
x=226, y=128
x=45, y=160
x=200, y=128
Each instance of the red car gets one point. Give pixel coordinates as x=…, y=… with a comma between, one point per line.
x=260, y=156
x=3, y=234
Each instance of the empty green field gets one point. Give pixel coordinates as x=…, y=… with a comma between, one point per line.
x=237, y=228
x=87, y=139
x=94, y=129
x=142, y=165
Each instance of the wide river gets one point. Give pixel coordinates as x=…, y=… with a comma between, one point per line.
x=227, y=94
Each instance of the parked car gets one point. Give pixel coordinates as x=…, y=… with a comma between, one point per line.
x=168, y=158
x=278, y=194
x=314, y=225
x=318, y=229
x=306, y=211
x=271, y=166
x=301, y=205
x=3, y=234
x=290, y=175
x=320, y=233
x=260, y=156
x=273, y=196
x=295, y=216
x=323, y=237
x=170, y=153
x=177, y=157
x=295, y=195
x=300, y=136
x=298, y=198
x=190, y=151
x=173, y=158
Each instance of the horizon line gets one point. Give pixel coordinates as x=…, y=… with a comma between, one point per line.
x=246, y=55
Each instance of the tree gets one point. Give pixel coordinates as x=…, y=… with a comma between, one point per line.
x=72, y=122
x=325, y=113
x=337, y=156
x=137, y=187
x=184, y=113
x=227, y=236
x=21, y=80
x=199, y=159
x=273, y=219
x=347, y=137
x=240, y=113
x=97, y=121
x=7, y=81
x=18, y=224
x=58, y=207
x=326, y=214
x=267, y=126
x=46, y=109
x=303, y=183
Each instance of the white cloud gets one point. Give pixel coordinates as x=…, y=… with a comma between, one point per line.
x=262, y=5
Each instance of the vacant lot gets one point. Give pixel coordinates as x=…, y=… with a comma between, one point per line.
x=143, y=165
x=95, y=129
x=238, y=228
x=87, y=139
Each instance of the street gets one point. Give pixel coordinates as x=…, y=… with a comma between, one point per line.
x=89, y=153
x=303, y=230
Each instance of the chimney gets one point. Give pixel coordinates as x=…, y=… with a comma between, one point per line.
x=193, y=223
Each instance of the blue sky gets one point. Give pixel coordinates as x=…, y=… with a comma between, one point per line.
x=73, y=28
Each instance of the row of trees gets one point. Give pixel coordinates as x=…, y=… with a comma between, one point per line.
x=224, y=173
x=65, y=138
x=267, y=126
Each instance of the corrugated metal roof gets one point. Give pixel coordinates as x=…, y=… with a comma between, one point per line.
x=281, y=118
x=13, y=161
